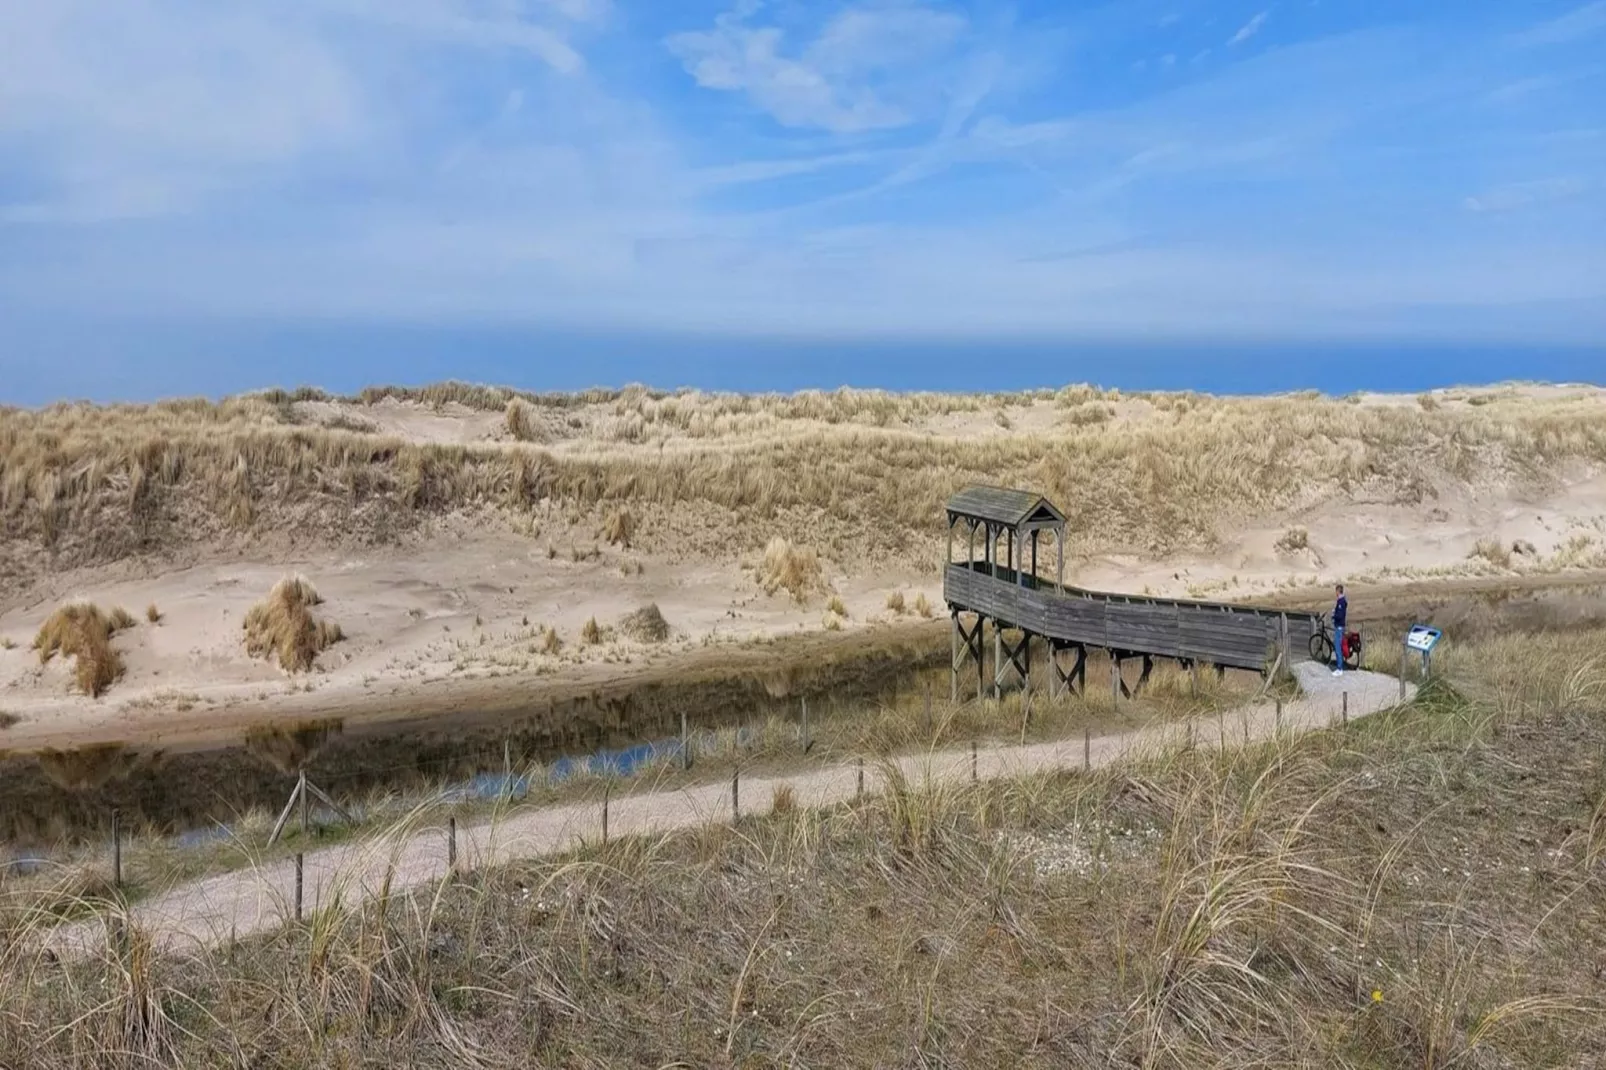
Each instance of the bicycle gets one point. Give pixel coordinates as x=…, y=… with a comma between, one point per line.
x=1321, y=645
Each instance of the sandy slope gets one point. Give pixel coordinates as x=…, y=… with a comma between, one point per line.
x=238, y=904
x=458, y=606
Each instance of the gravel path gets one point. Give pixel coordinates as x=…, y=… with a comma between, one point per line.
x=237, y=904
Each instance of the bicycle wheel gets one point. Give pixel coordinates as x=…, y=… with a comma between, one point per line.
x=1352, y=660
x=1321, y=648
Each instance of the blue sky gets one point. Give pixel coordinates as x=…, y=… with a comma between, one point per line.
x=209, y=195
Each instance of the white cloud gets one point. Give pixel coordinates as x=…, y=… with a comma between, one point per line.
x=1249, y=29
x=867, y=69
x=1519, y=195
x=1576, y=24
x=148, y=107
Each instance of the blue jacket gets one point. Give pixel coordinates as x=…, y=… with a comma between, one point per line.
x=1340, y=611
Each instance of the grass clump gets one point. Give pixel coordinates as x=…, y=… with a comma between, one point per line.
x=7, y=719
x=795, y=569
x=520, y=420
x=922, y=604
x=1293, y=541
x=895, y=603
x=282, y=626
x=153, y=614
x=1493, y=551
x=551, y=642
x=835, y=606
x=591, y=632
x=79, y=630
x=646, y=625
x=619, y=528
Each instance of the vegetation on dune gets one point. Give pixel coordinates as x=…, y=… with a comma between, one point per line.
x=91, y=484
x=79, y=630
x=646, y=625
x=1414, y=890
x=282, y=626
x=794, y=569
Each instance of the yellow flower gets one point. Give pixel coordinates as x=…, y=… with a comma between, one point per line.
x=1377, y=995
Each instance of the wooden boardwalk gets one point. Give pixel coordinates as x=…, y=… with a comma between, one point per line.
x=1002, y=587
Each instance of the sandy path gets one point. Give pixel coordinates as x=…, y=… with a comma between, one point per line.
x=240, y=903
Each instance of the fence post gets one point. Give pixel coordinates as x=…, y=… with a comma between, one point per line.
x=974, y=775
x=1278, y=726
x=607, y=795
x=736, y=793
x=117, y=847
x=301, y=848
x=685, y=742
x=860, y=794
x=1344, y=709
x=805, y=726
x=1087, y=749
x=1405, y=653
x=451, y=844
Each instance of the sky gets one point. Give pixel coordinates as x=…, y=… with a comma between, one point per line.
x=204, y=196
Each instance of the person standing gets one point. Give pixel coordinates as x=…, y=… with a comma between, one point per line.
x=1340, y=618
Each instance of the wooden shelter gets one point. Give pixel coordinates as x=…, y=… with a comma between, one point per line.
x=1002, y=585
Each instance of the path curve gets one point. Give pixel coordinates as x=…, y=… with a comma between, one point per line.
x=231, y=905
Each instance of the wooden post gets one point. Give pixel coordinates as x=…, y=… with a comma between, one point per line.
x=1115, y=679
x=1405, y=653
x=1025, y=713
x=736, y=793
x=1087, y=749
x=1345, y=709
x=1034, y=553
x=685, y=742
x=953, y=662
x=301, y=787
x=1279, y=721
x=117, y=847
x=998, y=658
x=607, y=795
x=1059, y=557
x=451, y=843
x=806, y=741
x=974, y=775
x=860, y=792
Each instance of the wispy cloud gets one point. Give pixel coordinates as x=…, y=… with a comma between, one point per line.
x=1519, y=195
x=846, y=79
x=1249, y=29
x=1575, y=25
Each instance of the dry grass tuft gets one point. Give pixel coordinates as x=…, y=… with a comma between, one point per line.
x=282, y=626
x=551, y=642
x=795, y=569
x=121, y=620
x=835, y=606
x=153, y=614
x=81, y=631
x=290, y=747
x=521, y=423
x=646, y=625
x=783, y=800
x=1293, y=541
x=922, y=604
x=895, y=603
x=86, y=768
x=7, y=643
x=591, y=632
x=1493, y=551
x=7, y=719
x=619, y=528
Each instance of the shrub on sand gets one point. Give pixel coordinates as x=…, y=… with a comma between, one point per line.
x=282, y=626
x=922, y=604
x=619, y=528
x=550, y=641
x=795, y=569
x=1293, y=540
x=646, y=625
x=591, y=632
x=80, y=630
x=520, y=420
x=153, y=614
x=895, y=603
x=1493, y=551
x=835, y=606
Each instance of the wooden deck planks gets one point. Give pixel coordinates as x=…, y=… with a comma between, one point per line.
x=1213, y=633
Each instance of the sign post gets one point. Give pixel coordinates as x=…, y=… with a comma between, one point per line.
x=1423, y=639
